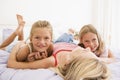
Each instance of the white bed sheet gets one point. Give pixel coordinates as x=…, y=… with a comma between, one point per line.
x=41, y=74
x=24, y=74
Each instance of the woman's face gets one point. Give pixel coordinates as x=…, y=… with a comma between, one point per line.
x=90, y=40
x=82, y=53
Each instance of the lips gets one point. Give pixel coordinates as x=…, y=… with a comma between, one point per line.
x=41, y=46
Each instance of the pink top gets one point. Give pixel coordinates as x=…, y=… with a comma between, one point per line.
x=62, y=46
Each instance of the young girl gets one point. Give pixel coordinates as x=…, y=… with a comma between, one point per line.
x=40, y=45
x=89, y=37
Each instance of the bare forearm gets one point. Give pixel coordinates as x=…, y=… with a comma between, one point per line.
x=18, y=65
x=29, y=65
x=107, y=60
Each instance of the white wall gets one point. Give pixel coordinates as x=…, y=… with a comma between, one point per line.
x=61, y=13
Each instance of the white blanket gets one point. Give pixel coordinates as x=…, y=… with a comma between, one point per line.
x=40, y=74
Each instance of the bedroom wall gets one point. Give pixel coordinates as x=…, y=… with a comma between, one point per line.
x=62, y=14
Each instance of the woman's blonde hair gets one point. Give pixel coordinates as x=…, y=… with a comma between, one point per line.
x=85, y=69
x=90, y=28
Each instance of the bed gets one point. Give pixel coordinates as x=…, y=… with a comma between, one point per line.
x=24, y=74
x=44, y=74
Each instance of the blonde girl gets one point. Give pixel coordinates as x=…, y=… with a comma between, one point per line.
x=40, y=45
x=89, y=37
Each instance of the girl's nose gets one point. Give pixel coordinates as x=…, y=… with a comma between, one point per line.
x=91, y=43
x=41, y=41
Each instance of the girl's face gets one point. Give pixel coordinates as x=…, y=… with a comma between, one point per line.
x=41, y=39
x=90, y=40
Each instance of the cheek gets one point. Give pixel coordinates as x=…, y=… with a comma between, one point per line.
x=97, y=43
x=34, y=42
x=49, y=44
x=85, y=44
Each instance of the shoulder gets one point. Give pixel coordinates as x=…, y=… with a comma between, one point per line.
x=24, y=47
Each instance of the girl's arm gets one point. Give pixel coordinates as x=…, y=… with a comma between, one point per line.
x=22, y=52
x=109, y=59
x=13, y=63
x=110, y=54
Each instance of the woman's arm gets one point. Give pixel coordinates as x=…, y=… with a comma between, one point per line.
x=13, y=63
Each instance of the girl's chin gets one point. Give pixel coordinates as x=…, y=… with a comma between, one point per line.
x=41, y=50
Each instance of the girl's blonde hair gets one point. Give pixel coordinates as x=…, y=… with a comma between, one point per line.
x=85, y=69
x=90, y=28
x=41, y=24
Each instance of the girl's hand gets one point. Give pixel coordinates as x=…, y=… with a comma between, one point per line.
x=31, y=57
x=36, y=56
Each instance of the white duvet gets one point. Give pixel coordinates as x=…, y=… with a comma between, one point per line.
x=40, y=74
